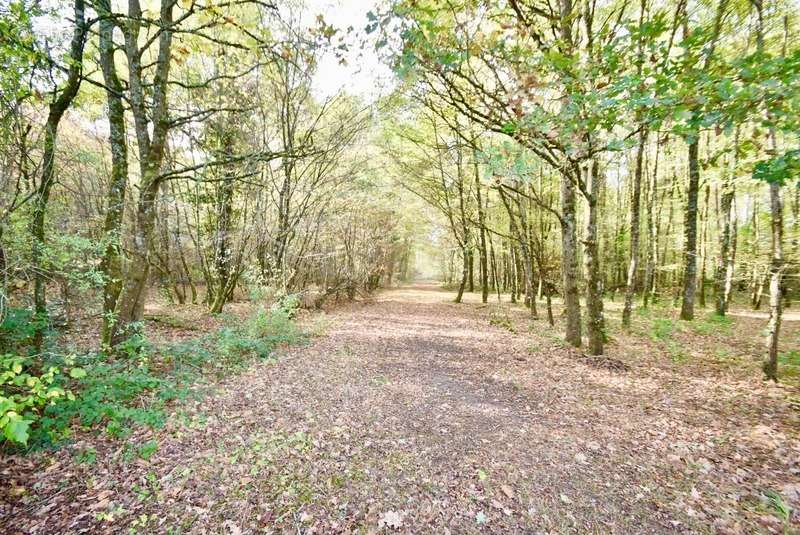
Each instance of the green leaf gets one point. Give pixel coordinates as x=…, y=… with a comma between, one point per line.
x=16, y=430
x=77, y=373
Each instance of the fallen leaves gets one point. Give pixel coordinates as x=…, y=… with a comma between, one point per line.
x=391, y=519
x=310, y=443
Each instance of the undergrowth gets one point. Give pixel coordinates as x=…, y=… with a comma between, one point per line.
x=133, y=387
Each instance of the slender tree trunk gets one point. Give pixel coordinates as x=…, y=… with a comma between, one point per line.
x=690, y=232
x=652, y=226
x=776, y=265
x=484, y=263
x=775, y=282
x=724, y=271
x=704, y=249
x=757, y=280
x=528, y=253
x=636, y=185
x=224, y=276
x=41, y=198
x=464, y=274
x=569, y=263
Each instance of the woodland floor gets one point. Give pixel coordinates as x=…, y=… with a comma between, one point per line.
x=416, y=415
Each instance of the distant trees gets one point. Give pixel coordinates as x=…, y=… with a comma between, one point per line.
x=226, y=171
x=583, y=89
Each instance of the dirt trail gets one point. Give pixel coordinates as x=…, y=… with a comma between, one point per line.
x=413, y=414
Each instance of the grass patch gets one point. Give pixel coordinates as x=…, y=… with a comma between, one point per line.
x=712, y=323
x=789, y=364
x=500, y=318
x=662, y=329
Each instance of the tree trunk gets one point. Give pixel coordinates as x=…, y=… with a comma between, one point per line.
x=42, y=196
x=152, y=126
x=111, y=264
x=704, y=249
x=636, y=185
x=595, y=324
x=690, y=232
x=569, y=263
x=464, y=274
x=724, y=271
x=484, y=261
x=652, y=226
x=775, y=280
x=224, y=276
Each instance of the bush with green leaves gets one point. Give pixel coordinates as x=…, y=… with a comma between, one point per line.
x=276, y=326
x=133, y=390
x=115, y=395
x=17, y=330
x=26, y=393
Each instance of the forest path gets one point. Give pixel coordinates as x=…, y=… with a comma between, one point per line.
x=414, y=414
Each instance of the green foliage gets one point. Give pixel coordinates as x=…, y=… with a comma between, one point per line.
x=288, y=304
x=789, y=363
x=25, y=393
x=110, y=395
x=134, y=390
x=87, y=456
x=142, y=451
x=780, y=169
x=18, y=329
x=712, y=323
x=662, y=329
x=778, y=505
x=500, y=318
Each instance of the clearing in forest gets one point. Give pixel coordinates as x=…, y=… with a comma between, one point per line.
x=413, y=414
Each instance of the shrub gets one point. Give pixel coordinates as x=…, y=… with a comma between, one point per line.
x=18, y=329
x=288, y=304
x=133, y=390
x=109, y=395
x=25, y=393
x=276, y=327
x=662, y=329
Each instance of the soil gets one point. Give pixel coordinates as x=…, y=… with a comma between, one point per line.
x=412, y=414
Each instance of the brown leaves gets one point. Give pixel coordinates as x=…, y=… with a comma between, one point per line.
x=317, y=443
x=391, y=519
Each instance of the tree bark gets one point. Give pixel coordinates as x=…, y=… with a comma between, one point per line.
x=690, y=232
x=724, y=270
x=595, y=324
x=151, y=144
x=111, y=264
x=569, y=263
x=41, y=198
x=636, y=185
x=484, y=262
